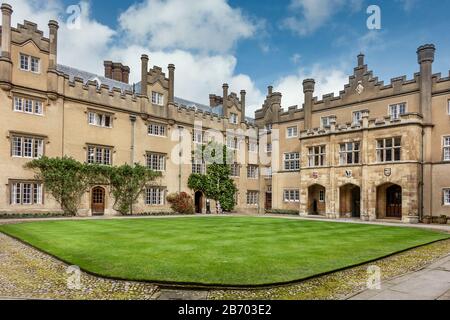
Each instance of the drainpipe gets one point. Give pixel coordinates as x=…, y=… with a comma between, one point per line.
x=133, y=124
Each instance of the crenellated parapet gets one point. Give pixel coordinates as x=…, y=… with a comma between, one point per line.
x=365, y=124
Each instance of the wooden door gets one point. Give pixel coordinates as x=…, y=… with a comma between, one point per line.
x=394, y=202
x=98, y=201
x=268, y=205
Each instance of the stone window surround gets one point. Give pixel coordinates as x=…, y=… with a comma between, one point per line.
x=252, y=198
x=320, y=156
x=96, y=146
x=161, y=158
x=397, y=104
x=160, y=125
x=103, y=113
x=385, y=148
x=353, y=152
x=445, y=148
x=294, y=130
x=446, y=197
x=33, y=99
x=12, y=182
x=29, y=58
x=291, y=199
x=13, y=134
x=149, y=192
x=157, y=98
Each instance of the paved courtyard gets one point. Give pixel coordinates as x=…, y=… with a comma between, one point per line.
x=431, y=283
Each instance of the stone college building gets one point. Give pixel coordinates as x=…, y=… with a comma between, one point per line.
x=376, y=151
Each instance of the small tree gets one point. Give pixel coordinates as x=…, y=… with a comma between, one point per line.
x=66, y=179
x=127, y=183
x=216, y=184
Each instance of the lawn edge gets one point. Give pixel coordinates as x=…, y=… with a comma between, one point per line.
x=213, y=286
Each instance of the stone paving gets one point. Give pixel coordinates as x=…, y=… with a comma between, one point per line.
x=27, y=273
x=430, y=283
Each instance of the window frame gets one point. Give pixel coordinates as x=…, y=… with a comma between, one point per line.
x=23, y=105
x=161, y=161
x=291, y=195
x=37, y=147
x=157, y=98
x=36, y=196
x=322, y=196
x=321, y=156
x=290, y=134
x=252, y=172
x=99, y=119
x=446, y=148
x=398, y=113
x=235, y=170
x=446, y=197
x=95, y=156
x=384, y=150
x=360, y=117
x=234, y=118
x=252, y=198
x=292, y=161
x=153, y=127
x=328, y=122
x=29, y=63
x=344, y=154
x=155, y=196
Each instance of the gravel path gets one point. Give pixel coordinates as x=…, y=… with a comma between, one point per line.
x=27, y=273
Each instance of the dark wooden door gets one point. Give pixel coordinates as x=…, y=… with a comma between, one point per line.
x=268, y=204
x=98, y=201
x=394, y=202
x=356, y=203
x=198, y=202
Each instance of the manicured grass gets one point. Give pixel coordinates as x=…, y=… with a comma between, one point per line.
x=216, y=250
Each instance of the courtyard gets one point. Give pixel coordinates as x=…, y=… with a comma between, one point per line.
x=217, y=251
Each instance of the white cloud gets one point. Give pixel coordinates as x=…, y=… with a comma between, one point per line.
x=196, y=75
x=296, y=58
x=327, y=79
x=310, y=15
x=205, y=25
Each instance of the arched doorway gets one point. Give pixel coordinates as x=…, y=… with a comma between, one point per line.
x=350, y=201
x=389, y=201
x=316, y=200
x=198, y=202
x=98, y=201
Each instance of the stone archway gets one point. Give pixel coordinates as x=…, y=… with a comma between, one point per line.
x=389, y=201
x=350, y=201
x=316, y=200
x=198, y=202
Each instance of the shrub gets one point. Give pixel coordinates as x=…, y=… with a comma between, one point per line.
x=181, y=203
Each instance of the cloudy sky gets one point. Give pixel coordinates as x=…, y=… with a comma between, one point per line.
x=248, y=43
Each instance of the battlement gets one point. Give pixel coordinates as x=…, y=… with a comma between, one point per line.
x=365, y=124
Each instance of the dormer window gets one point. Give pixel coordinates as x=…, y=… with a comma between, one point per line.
x=157, y=98
x=234, y=118
x=29, y=63
x=396, y=110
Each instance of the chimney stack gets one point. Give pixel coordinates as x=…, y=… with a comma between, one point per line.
x=269, y=90
x=243, y=94
x=53, y=27
x=6, y=30
x=225, y=99
x=360, y=60
x=308, y=90
x=171, y=83
x=117, y=71
x=144, y=75
x=425, y=56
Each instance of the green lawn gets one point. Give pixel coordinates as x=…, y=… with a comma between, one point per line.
x=216, y=250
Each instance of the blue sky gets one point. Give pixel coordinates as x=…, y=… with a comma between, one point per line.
x=252, y=44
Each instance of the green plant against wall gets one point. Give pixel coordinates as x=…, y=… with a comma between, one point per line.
x=216, y=184
x=127, y=183
x=67, y=180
